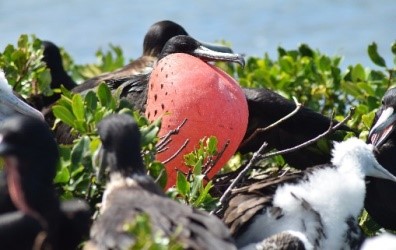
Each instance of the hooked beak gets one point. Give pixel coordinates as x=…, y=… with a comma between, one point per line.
x=379, y=171
x=217, y=47
x=208, y=54
x=383, y=127
x=10, y=104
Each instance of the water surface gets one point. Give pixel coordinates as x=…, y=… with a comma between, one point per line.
x=253, y=27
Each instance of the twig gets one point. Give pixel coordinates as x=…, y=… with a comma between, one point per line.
x=210, y=164
x=159, y=176
x=260, y=130
x=166, y=138
x=253, y=160
x=89, y=188
x=177, y=152
x=317, y=138
x=258, y=154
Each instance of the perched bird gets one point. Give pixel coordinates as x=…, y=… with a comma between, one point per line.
x=155, y=39
x=53, y=60
x=131, y=192
x=380, y=200
x=323, y=203
x=11, y=104
x=30, y=157
x=206, y=99
x=267, y=107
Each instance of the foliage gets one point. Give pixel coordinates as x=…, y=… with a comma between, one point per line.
x=25, y=71
x=76, y=174
x=107, y=61
x=145, y=238
x=315, y=79
x=191, y=188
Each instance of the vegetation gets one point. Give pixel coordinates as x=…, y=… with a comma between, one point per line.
x=314, y=79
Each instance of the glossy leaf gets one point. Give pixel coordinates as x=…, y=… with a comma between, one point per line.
x=374, y=56
x=78, y=107
x=182, y=185
x=63, y=114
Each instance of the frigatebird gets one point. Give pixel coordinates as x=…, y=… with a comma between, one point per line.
x=30, y=156
x=130, y=192
x=53, y=60
x=155, y=39
x=380, y=201
x=322, y=202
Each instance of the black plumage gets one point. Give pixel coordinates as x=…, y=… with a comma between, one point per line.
x=380, y=201
x=31, y=155
x=267, y=107
x=131, y=192
x=154, y=41
x=53, y=60
x=323, y=202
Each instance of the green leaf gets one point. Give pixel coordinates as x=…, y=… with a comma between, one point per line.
x=149, y=134
x=358, y=73
x=158, y=172
x=62, y=176
x=203, y=195
x=374, y=56
x=189, y=159
x=212, y=145
x=182, y=185
x=368, y=119
x=305, y=50
x=196, y=186
x=79, y=150
x=78, y=107
x=63, y=114
x=104, y=95
x=393, y=48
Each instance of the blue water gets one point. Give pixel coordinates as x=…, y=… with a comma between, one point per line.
x=334, y=27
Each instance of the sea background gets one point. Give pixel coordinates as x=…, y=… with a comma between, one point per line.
x=335, y=27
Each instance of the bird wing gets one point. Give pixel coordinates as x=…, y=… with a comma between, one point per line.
x=257, y=195
x=194, y=229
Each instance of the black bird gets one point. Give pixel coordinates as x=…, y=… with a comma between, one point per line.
x=130, y=192
x=30, y=157
x=323, y=203
x=53, y=60
x=267, y=107
x=10, y=105
x=134, y=88
x=154, y=41
x=380, y=200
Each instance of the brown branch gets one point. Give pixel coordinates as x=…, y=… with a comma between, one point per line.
x=253, y=160
x=330, y=130
x=260, y=130
x=258, y=154
x=177, y=152
x=166, y=138
x=210, y=164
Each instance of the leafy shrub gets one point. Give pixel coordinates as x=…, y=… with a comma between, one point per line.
x=315, y=79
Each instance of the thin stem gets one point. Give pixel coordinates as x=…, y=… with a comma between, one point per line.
x=177, y=152
x=260, y=130
x=258, y=154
